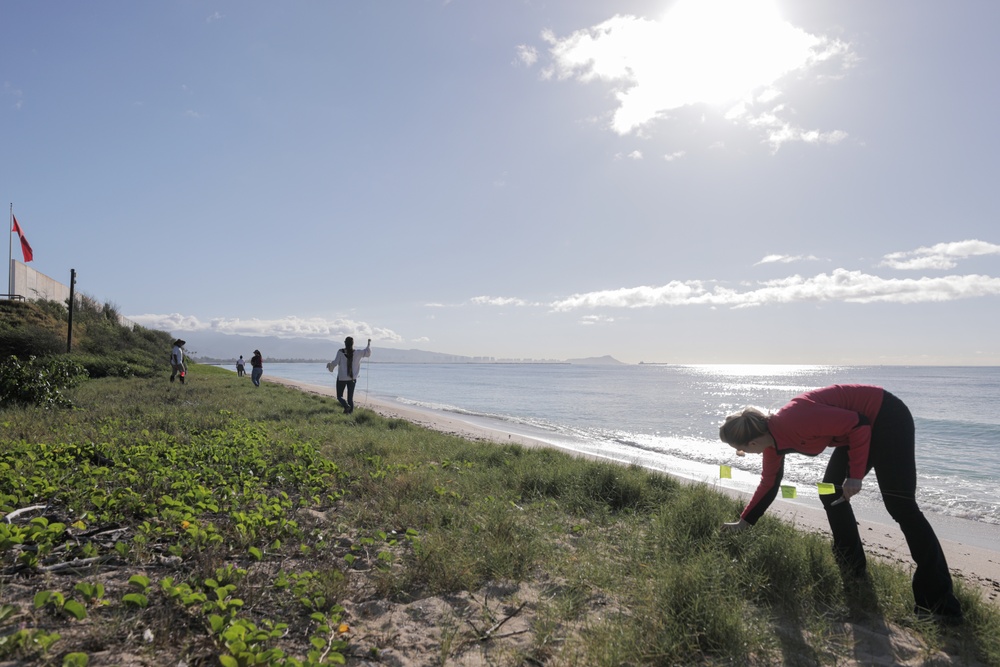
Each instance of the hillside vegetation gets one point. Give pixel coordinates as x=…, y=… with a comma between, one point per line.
x=100, y=343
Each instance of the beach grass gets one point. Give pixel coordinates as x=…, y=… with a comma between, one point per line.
x=219, y=523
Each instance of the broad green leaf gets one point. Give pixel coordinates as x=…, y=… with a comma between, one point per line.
x=76, y=609
x=136, y=599
x=217, y=623
x=76, y=660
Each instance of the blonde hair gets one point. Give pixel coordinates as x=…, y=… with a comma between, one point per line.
x=741, y=428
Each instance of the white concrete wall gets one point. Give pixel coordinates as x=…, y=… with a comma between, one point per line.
x=35, y=286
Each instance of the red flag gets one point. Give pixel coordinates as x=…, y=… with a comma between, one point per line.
x=25, y=246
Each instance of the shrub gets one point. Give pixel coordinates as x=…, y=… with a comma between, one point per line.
x=30, y=340
x=132, y=363
x=38, y=381
x=53, y=309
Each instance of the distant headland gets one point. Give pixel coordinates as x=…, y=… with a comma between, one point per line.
x=215, y=348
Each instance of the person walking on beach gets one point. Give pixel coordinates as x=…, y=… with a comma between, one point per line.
x=869, y=429
x=177, y=360
x=240, y=367
x=257, y=364
x=348, y=364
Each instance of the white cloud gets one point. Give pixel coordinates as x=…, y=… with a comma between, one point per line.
x=786, y=259
x=526, y=55
x=838, y=285
x=287, y=327
x=676, y=155
x=596, y=319
x=15, y=93
x=498, y=301
x=699, y=52
x=939, y=256
x=214, y=17
x=171, y=322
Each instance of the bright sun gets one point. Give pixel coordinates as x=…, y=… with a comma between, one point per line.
x=717, y=51
x=700, y=52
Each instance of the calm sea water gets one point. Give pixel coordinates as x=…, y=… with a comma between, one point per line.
x=667, y=417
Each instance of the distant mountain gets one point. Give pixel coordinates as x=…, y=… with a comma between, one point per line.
x=606, y=360
x=213, y=345
x=216, y=347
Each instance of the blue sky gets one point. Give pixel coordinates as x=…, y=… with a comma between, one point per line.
x=694, y=181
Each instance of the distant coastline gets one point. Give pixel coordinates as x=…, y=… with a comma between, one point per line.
x=512, y=362
x=211, y=347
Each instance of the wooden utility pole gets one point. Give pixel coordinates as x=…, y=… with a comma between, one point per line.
x=72, y=300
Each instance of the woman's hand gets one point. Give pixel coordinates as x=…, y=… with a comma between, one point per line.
x=851, y=487
x=735, y=526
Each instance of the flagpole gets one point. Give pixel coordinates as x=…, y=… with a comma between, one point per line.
x=10, y=250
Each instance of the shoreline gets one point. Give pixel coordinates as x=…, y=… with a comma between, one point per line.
x=975, y=559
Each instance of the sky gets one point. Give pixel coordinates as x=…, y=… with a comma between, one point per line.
x=680, y=181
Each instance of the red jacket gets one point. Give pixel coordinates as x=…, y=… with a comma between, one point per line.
x=840, y=415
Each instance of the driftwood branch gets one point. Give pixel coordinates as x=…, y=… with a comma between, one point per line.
x=488, y=634
x=24, y=510
x=76, y=564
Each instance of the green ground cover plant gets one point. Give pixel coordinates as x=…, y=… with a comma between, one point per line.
x=216, y=523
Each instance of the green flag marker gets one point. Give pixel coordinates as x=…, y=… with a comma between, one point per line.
x=725, y=472
x=826, y=489
x=787, y=491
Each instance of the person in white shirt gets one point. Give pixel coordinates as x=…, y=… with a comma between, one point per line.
x=177, y=360
x=347, y=363
x=240, y=367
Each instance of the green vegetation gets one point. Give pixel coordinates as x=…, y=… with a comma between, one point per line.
x=217, y=523
x=38, y=381
x=100, y=343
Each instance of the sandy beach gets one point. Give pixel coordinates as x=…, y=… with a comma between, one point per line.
x=972, y=549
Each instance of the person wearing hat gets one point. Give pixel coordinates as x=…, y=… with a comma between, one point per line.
x=177, y=360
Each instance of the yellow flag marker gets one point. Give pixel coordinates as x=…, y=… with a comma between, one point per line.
x=826, y=489
x=725, y=472
x=787, y=491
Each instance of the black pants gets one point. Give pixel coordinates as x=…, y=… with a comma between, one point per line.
x=349, y=403
x=892, y=457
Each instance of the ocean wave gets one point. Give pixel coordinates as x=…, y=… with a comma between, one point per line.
x=667, y=417
x=480, y=414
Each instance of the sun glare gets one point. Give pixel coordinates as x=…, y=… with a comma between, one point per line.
x=717, y=52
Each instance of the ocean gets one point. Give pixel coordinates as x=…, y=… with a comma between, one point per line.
x=666, y=417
